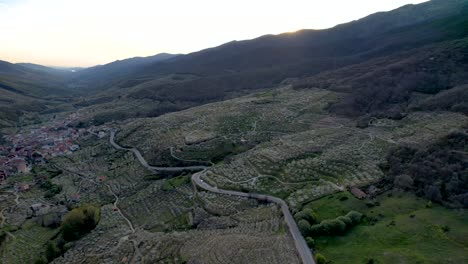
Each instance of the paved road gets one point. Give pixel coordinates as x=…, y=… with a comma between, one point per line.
x=301, y=245
x=145, y=164
x=194, y=161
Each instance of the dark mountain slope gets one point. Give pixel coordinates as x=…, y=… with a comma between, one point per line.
x=455, y=99
x=37, y=81
x=237, y=68
x=30, y=89
x=438, y=171
x=266, y=61
x=169, y=83
x=100, y=75
x=416, y=79
x=373, y=35
x=62, y=72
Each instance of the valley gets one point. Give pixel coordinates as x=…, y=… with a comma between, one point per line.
x=341, y=145
x=306, y=154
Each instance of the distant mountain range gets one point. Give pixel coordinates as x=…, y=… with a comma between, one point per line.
x=105, y=74
x=169, y=82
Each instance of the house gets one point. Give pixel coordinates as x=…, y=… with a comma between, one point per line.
x=74, y=199
x=102, y=178
x=358, y=193
x=37, y=207
x=74, y=148
x=40, y=209
x=101, y=134
x=24, y=187
x=20, y=165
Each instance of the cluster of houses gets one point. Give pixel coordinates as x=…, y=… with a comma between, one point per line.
x=36, y=146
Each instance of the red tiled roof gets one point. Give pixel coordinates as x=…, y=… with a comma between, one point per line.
x=358, y=193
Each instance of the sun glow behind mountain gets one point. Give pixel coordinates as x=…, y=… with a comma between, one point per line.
x=87, y=32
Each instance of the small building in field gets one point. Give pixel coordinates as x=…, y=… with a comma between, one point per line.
x=101, y=134
x=358, y=193
x=39, y=209
x=74, y=148
x=20, y=165
x=24, y=187
x=102, y=178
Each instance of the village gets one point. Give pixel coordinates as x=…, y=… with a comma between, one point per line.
x=34, y=146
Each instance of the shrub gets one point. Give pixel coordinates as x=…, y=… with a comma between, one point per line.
x=372, y=261
x=52, y=251
x=51, y=189
x=355, y=217
x=404, y=182
x=445, y=228
x=345, y=220
x=320, y=259
x=371, y=204
x=41, y=260
x=304, y=226
x=337, y=226
x=79, y=221
x=307, y=214
x=344, y=198
x=310, y=242
x=333, y=227
x=433, y=193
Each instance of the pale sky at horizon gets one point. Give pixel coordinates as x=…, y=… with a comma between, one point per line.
x=90, y=32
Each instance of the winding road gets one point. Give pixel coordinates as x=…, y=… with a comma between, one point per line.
x=301, y=245
x=195, y=161
x=145, y=164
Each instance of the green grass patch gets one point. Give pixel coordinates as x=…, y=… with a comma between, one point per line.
x=400, y=230
x=173, y=183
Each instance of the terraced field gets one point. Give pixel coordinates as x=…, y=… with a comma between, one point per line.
x=283, y=143
x=250, y=119
x=26, y=244
x=155, y=220
x=155, y=209
x=110, y=237
x=293, y=147
x=89, y=170
x=242, y=234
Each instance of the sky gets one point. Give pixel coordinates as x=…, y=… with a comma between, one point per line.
x=84, y=33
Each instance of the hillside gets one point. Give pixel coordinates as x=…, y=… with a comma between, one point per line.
x=393, y=85
x=238, y=68
x=349, y=143
x=284, y=143
x=34, y=81
x=166, y=82
x=102, y=75
x=310, y=51
x=26, y=90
